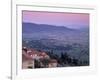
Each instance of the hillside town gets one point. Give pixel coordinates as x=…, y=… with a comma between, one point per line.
x=32, y=58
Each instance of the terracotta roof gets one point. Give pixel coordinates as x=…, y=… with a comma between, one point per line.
x=26, y=57
x=31, y=52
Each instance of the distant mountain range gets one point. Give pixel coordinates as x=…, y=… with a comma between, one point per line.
x=32, y=30
x=44, y=31
x=32, y=27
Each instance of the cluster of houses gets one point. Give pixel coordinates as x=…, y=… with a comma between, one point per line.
x=30, y=56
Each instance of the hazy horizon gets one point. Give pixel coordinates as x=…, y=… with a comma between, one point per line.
x=68, y=26
x=70, y=20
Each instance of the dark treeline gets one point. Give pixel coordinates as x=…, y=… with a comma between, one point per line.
x=66, y=60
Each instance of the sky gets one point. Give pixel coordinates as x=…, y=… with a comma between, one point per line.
x=71, y=20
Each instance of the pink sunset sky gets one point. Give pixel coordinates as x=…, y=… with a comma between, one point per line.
x=72, y=20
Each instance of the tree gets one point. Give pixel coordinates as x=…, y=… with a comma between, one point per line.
x=37, y=64
x=75, y=62
x=45, y=62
